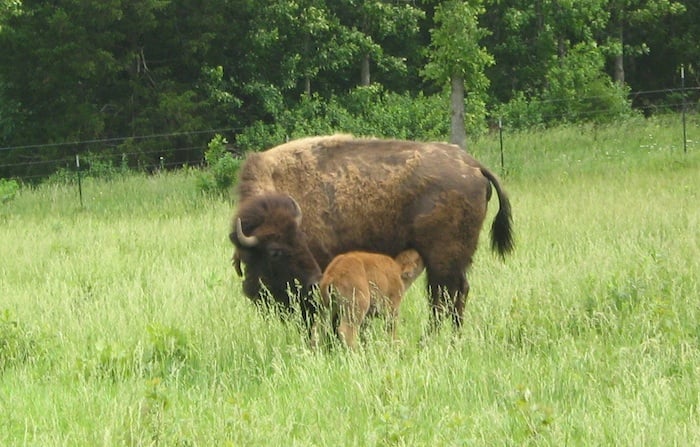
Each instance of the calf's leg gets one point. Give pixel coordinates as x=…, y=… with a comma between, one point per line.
x=352, y=313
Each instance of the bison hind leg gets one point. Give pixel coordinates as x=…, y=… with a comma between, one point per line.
x=448, y=293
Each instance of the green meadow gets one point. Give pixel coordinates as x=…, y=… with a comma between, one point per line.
x=122, y=322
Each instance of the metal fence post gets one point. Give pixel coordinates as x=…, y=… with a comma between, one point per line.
x=500, y=137
x=80, y=185
x=685, y=139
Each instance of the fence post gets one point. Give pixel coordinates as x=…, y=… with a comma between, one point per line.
x=80, y=185
x=685, y=139
x=500, y=137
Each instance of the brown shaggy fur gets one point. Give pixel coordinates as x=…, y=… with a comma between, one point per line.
x=381, y=196
x=357, y=283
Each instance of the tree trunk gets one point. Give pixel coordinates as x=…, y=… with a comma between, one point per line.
x=307, y=78
x=618, y=63
x=307, y=86
x=619, y=69
x=458, y=133
x=364, y=71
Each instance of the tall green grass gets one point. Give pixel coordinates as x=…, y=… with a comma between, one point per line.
x=123, y=324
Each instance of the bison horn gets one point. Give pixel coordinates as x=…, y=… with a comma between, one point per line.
x=297, y=209
x=246, y=241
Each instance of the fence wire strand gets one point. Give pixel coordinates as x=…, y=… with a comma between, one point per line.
x=113, y=155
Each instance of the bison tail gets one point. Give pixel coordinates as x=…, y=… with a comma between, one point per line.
x=502, y=227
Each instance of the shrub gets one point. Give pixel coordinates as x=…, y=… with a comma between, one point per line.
x=364, y=111
x=222, y=168
x=8, y=190
x=92, y=165
x=520, y=112
x=579, y=90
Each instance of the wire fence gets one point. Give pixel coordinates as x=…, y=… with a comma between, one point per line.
x=32, y=163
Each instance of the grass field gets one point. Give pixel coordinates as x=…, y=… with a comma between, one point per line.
x=123, y=324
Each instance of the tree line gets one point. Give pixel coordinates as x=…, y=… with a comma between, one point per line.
x=103, y=76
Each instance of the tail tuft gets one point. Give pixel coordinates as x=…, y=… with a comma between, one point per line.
x=502, y=228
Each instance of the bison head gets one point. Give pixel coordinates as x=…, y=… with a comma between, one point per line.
x=270, y=243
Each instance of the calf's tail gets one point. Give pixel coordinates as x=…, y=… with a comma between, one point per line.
x=502, y=226
x=325, y=294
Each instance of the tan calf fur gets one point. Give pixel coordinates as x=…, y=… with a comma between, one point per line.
x=357, y=283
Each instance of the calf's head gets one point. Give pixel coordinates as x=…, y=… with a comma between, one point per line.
x=266, y=232
x=411, y=265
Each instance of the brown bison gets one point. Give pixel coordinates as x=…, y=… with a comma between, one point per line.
x=306, y=201
x=358, y=283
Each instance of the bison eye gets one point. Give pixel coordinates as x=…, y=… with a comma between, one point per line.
x=275, y=253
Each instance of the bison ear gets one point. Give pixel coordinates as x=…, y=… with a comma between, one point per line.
x=236, y=261
x=297, y=211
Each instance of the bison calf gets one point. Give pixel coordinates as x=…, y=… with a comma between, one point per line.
x=357, y=283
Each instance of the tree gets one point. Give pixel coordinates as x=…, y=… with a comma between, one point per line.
x=374, y=22
x=456, y=57
x=296, y=41
x=9, y=8
x=53, y=63
x=76, y=70
x=633, y=13
x=672, y=43
x=529, y=38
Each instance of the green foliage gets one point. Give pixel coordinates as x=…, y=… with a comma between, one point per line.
x=455, y=48
x=259, y=136
x=374, y=111
x=217, y=88
x=364, y=111
x=222, y=168
x=579, y=91
x=456, y=57
x=520, y=113
x=159, y=78
x=92, y=165
x=8, y=189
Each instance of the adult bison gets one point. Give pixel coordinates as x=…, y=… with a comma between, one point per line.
x=306, y=201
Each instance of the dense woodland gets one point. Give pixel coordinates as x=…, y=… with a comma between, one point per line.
x=144, y=79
